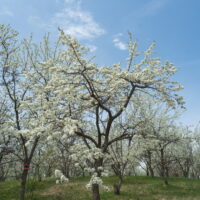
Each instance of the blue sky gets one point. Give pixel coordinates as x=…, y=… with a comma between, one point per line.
x=103, y=26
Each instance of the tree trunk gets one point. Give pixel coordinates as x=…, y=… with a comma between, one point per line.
x=83, y=173
x=151, y=172
x=163, y=168
x=23, y=185
x=117, y=188
x=39, y=176
x=2, y=174
x=166, y=180
x=26, y=163
x=149, y=164
x=167, y=171
x=68, y=171
x=147, y=171
x=95, y=192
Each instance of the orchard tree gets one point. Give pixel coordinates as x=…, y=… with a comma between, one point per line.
x=123, y=153
x=194, y=142
x=28, y=124
x=12, y=66
x=122, y=157
x=85, y=93
x=183, y=152
x=157, y=134
x=55, y=91
x=63, y=149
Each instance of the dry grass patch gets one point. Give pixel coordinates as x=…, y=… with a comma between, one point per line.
x=64, y=188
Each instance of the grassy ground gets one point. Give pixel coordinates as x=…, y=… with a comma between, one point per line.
x=134, y=188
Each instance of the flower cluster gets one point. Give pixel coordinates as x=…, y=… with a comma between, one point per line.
x=95, y=180
x=61, y=176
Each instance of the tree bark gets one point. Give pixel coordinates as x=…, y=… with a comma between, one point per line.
x=151, y=172
x=149, y=163
x=117, y=188
x=27, y=162
x=163, y=168
x=95, y=192
x=147, y=171
x=39, y=176
x=166, y=180
x=23, y=185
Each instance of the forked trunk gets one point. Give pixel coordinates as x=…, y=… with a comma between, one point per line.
x=27, y=162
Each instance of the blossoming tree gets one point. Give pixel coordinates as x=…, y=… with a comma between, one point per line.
x=56, y=91
x=27, y=124
x=87, y=95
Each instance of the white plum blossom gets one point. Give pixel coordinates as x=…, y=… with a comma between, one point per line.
x=58, y=173
x=64, y=94
x=61, y=176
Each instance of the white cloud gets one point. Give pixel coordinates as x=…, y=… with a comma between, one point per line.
x=151, y=8
x=70, y=1
x=118, y=43
x=5, y=11
x=77, y=22
x=73, y=20
x=92, y=48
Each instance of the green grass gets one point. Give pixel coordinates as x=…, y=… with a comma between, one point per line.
x=134, y=188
